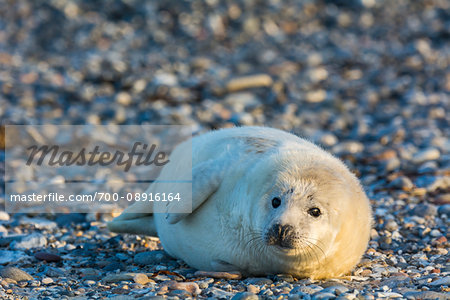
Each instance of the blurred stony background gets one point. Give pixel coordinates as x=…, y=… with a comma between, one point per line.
x=369, y=80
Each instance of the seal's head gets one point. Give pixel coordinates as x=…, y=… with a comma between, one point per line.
x=314, y=219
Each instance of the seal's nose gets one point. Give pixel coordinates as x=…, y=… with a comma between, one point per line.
x=281, y=235
x=282, y=230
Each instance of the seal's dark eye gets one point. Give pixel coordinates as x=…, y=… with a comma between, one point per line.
x=276, y=202
x=315, y=212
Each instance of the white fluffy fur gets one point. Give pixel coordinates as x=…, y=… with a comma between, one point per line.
x=239, y=171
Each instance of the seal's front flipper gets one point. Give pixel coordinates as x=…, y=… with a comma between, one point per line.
x=219, y=265
x=206, y=179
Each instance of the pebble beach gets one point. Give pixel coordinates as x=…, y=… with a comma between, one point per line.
x=367, y=80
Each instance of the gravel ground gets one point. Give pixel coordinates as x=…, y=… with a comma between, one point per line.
x=367, y=79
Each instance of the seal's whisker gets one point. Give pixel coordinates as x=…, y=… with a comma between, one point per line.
x=318, y=241
x=312, y=246
x=253, y=237
x=310, y=250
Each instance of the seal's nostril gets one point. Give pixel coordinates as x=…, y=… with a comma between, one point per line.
x=282, y=231
x=277, y=229
x=286, y=230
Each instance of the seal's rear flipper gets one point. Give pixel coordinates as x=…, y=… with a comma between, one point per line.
x=144, y=225
x=136, y=219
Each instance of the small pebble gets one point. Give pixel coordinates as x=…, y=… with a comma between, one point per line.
x=259, y=281
x=123, y=98
x=424, y=210
x=47, y=280
x=222, y=275
x=245, y=296
x=426, y=155
x=141, y=278
x=316, y=96
x=402, y=182
x=254, y=81
x=191, y=287
x=4, y=216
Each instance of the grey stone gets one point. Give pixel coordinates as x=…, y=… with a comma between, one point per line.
x=367, y=296
x=118, y=277
x=55, y=272
x=203, y=284
x=34, y=283
x=7, y=256
x=122, y=256
x=325, y=138
x=180, y=294
x=441, y=281
x=439, y=183
x=217, y=293
x=258, y=280
x=391, y=226
x=350, y=147
x=401, y=182
x=392, y=164
x=245, y=296
x=241, y=102
x=308, y=289
x=425, y=181
x=284, y=277
x=396, y=281
x=47, y=256
x=346, y=297
x=444, y=209
x=6, y=240
x=427, y=167
x=388, y=295
x=426, y=155
x=15, y=274
x=336, y=289
x=323, y=296
x=165, y=79
x=68, y=219
x=299, y=296
x=426, y=295
x=4, y=216
x=424, y=210
x=38, y=223
x=151, y=258
x=3, y=231
x=34, y=240
x=114, y=266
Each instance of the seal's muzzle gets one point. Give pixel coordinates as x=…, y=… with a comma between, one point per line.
x=283, y=236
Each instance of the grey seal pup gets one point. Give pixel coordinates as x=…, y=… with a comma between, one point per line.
x=264, y=201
